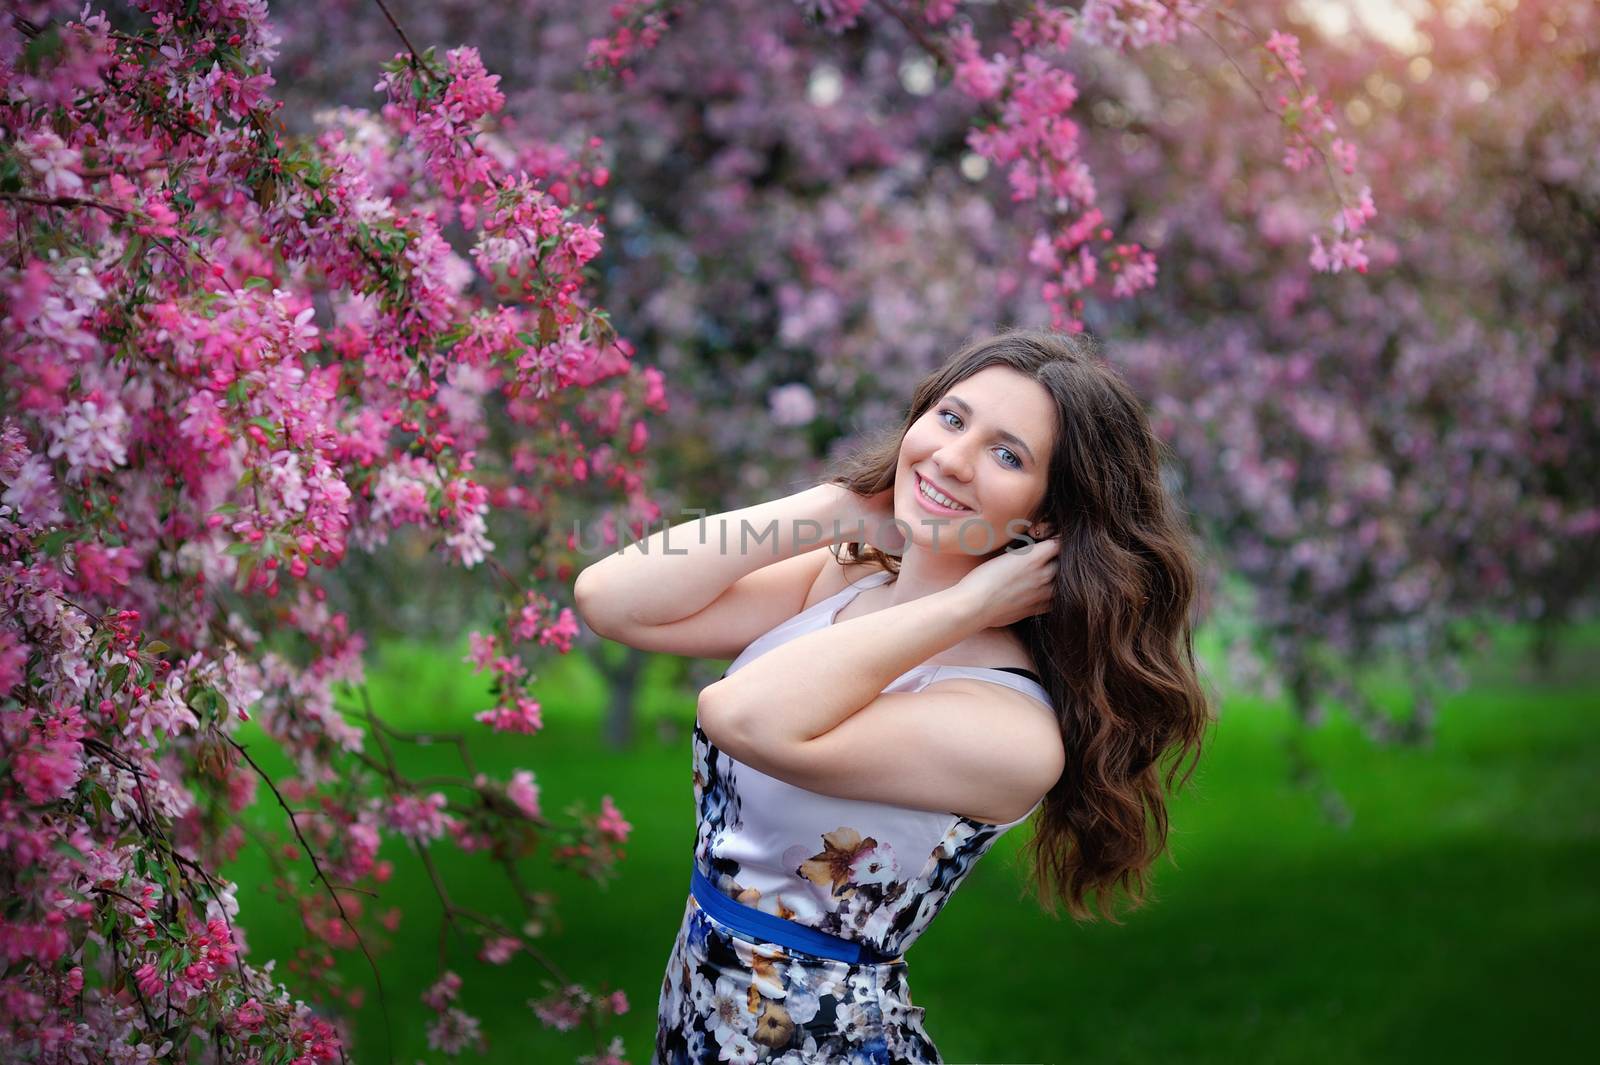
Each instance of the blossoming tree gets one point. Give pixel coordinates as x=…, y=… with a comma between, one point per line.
x=185, y=451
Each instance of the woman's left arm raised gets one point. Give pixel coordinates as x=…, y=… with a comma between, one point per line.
x=796, y=712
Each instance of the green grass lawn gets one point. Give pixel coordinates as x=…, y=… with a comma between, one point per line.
x=1454, y=919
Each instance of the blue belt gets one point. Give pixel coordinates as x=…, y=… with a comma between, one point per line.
x=771, y=928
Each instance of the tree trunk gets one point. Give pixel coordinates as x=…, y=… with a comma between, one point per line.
x=622, y=674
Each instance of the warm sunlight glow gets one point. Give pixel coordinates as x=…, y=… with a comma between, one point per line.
x=1392, y=21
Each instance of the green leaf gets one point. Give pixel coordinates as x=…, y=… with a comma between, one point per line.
x=42, y=47
x=156, y=647
x=10, y=174
x=51, y=543
x=133, y=252
x=63, y=847
x=207, y=700
x=239, y=547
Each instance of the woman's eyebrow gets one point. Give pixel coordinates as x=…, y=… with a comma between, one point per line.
x=1010, y=438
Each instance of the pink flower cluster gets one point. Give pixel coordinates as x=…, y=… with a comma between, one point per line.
x=419, y=817
x=611, y=823
x=228, y=355
x=639, y=26
x=566, y=1007
x=453, y=1030
x=1034, y=139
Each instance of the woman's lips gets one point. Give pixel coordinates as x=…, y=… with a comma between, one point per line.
x=937, y=508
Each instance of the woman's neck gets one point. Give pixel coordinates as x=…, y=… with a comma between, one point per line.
x=923, y=572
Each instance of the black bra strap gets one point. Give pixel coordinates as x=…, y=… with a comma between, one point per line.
x=1019, y=671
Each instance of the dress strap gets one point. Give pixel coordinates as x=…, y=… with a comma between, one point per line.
x=818, y=615
x=843, y=596
x=1019, y=671
x=1003, y=675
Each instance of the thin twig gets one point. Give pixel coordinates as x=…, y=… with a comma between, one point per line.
x=328, y=884
x=915, y=31
x=403, y=38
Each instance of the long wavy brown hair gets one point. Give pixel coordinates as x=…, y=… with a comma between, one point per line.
x=1115, y=650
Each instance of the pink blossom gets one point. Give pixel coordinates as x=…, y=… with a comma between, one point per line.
x=1344, y=154
x=1135, y=270
x=247, y=1018
x=497, y=950
x=1124, y=24
x=453, y=1031
x=524, y=792
x=979, y=78
x=443, y=991
x=1286, y=47
x=484, y=649
x=13, y=657
x=419, y=817
x=30, y=492
x=49, y=767
x=524, y=716
x=90, y=435
x=54, y=161
x=562, y=632
x=1352, y=219
x=104, y=571
x=1336, y=257
x=562, y=1012
x=472, y=92
x=611, y=823
x=150, y=983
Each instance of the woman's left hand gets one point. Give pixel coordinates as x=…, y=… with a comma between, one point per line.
x=870, y=520
x=1014, y=584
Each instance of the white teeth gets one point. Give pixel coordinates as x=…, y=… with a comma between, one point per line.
x=938, y=497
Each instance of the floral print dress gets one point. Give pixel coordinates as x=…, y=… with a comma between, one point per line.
x=866, y=872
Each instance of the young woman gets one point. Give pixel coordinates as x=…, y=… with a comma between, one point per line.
x=1000, y=626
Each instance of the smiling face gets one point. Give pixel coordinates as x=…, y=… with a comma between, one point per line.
x=984, y=446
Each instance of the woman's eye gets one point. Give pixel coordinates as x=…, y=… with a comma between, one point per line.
x=1011, y=458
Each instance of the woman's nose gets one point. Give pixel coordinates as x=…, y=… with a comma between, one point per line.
x=953, y=463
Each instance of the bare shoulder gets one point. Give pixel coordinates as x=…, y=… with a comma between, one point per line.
x=1028, y=721
x=1020, y=709
x=1022, y=733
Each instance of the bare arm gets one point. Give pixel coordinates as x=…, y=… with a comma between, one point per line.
x=676, y=572
x=812, y=711
x=783, y=699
